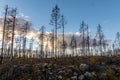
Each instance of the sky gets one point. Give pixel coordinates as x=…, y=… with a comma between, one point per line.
x=92, y=12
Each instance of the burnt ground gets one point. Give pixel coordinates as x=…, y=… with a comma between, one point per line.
x=65, y=68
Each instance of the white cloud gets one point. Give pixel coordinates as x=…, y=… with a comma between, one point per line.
x=22, y=15
x=78, y=33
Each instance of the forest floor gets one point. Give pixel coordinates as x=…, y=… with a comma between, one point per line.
x=65, y=68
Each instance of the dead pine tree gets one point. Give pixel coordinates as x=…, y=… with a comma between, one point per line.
x=52, y=43
x=9, y=22
x=63, y=41
x=20, y=42
x=58, y=49
x=104, y=44
x=13, y=29
x=31, y=47
x=1, y=57
x=16, y=48
x=36, y=51
x=41, y=39
x=94, y=46
x=82, y=30
x=88, y=41
x=7, y=36
x=113, y=47
x=24, y=41
x=100, y=37
x=73, y=45
x=117, y=44
x=25, y=29
x=46, y=47
x=55, y=21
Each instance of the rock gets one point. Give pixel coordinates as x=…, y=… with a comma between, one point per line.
x=88, y=74
x=71, y=66
x=102, y=68
x=45, y=64
x=68, y=79
x=93, y=73
x=74, y=77
x=27, y=68
x=14, y=66
x=59, y=77
x=84, y=67
x=75, y=73
x=17, y=71
x=61, y=72
x=81, y=77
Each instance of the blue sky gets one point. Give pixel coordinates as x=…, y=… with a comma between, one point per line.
x=93, y=12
